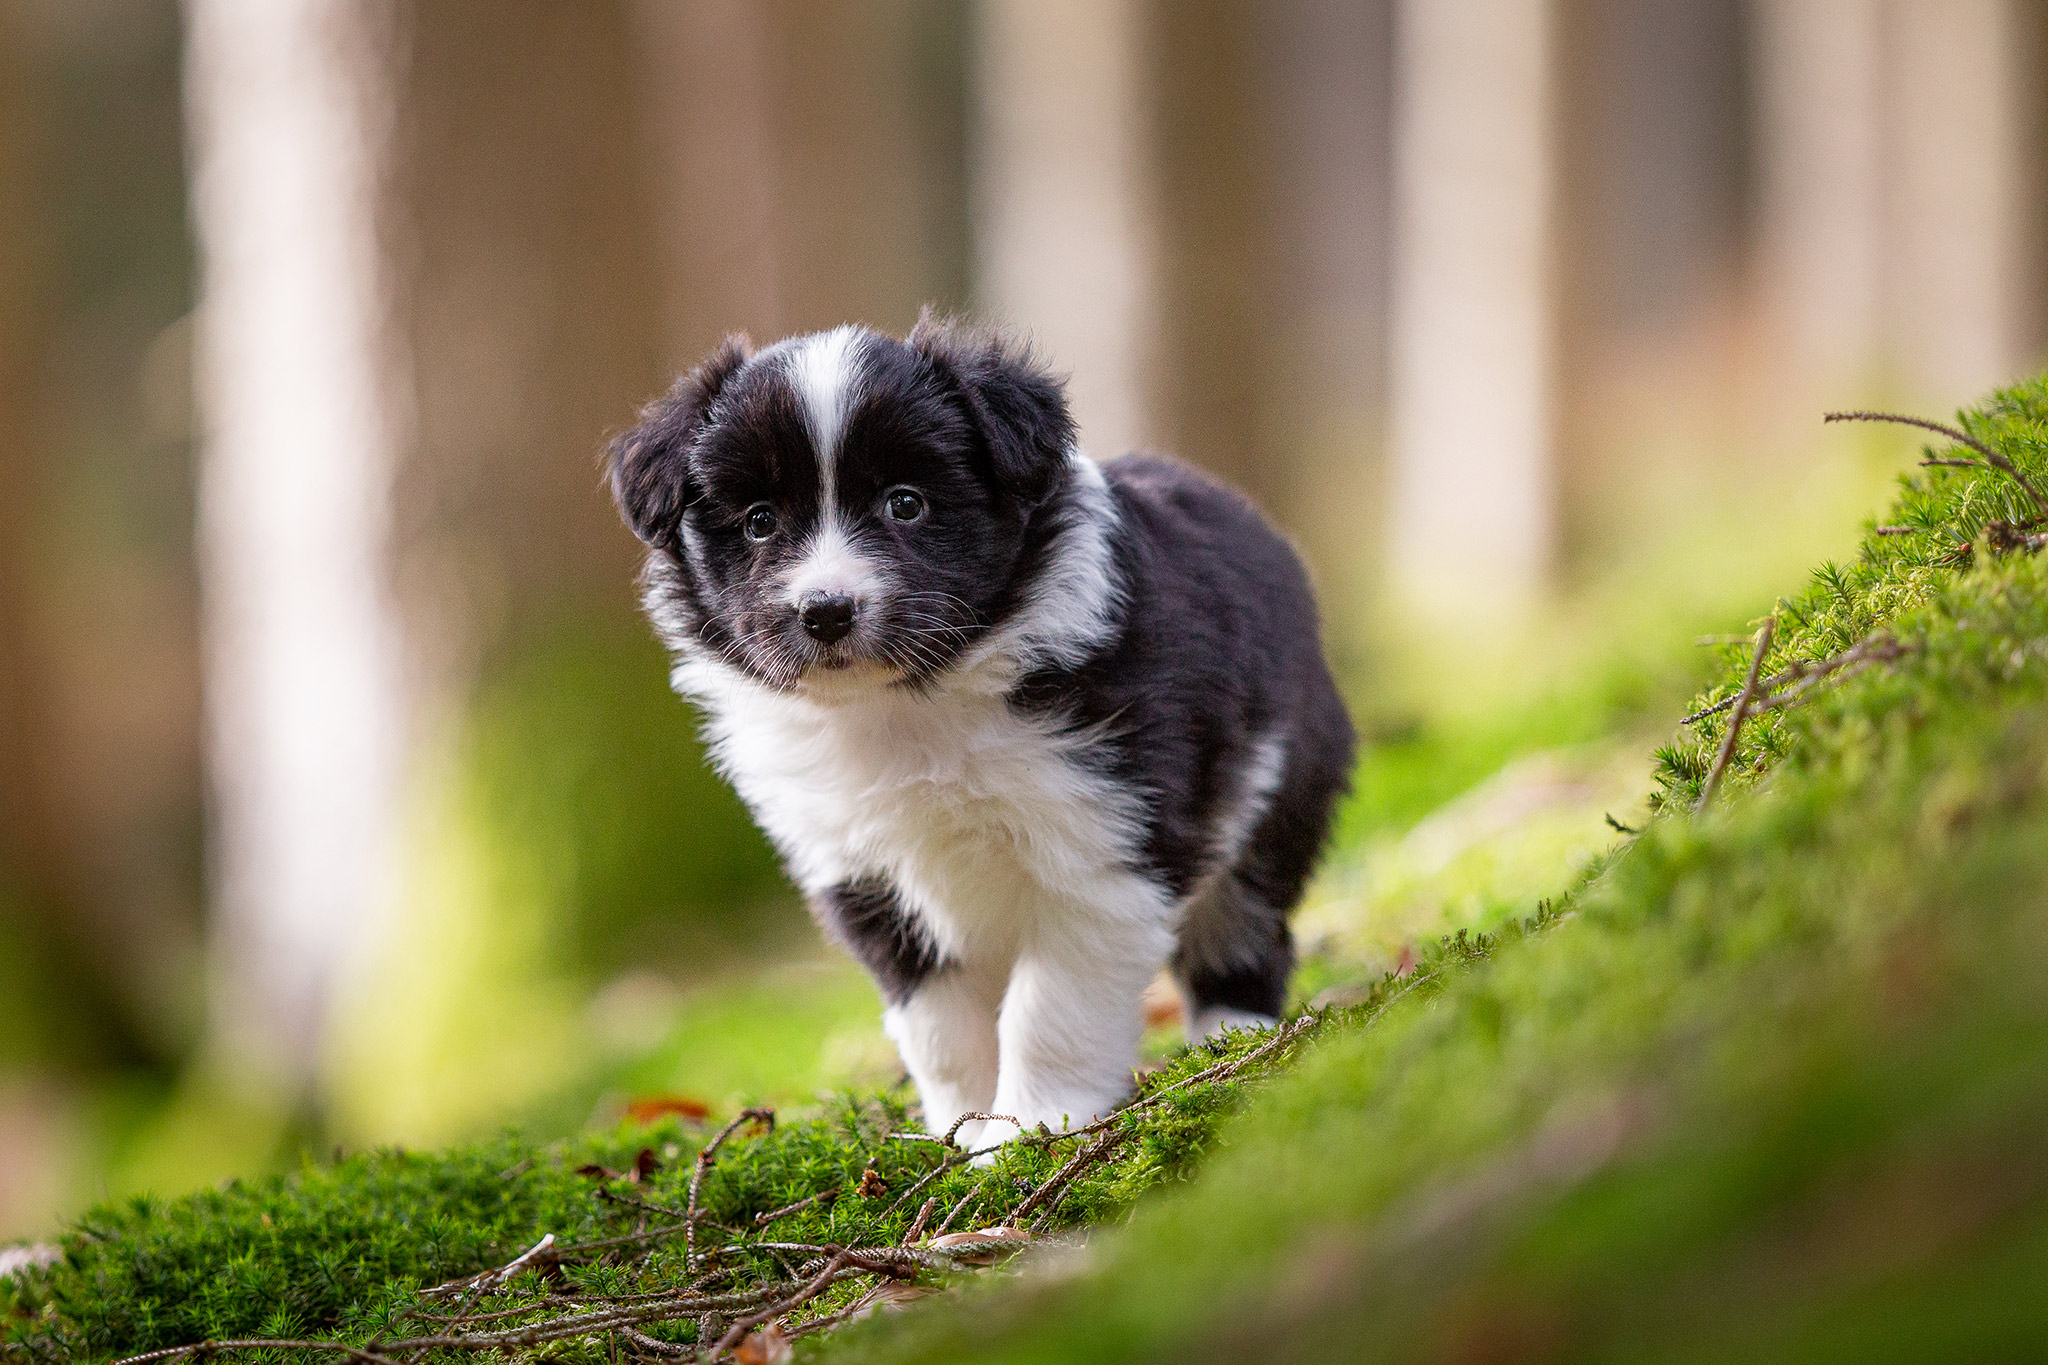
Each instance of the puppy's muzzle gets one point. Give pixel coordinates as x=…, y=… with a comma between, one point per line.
x=827, y=617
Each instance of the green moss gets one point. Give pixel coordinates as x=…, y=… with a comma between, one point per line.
x=1767, y=1091
x=1766, y=1084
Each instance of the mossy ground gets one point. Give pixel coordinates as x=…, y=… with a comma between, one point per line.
x=1768, y=1082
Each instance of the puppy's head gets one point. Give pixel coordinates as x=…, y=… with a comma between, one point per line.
x=843, y=508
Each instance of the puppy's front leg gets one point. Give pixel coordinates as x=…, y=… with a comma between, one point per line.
x=942, y=1011
x=1070, y=1025
x=945, y=1032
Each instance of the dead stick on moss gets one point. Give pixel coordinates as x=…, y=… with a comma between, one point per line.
x=655, y=1346
x=204, y=1348
x=1222, y=1071
x=957, y=1210
x=967, y=1118
x=611, y=1197
x=924, y=1215
x=840, y=1262
x=540, y=1252
x=1996, y=459
x=1882, y=647
x=1740, y=713
x=762, y=1220
x=1048, y=1194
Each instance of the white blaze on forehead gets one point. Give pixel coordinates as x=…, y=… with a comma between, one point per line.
x=824, y=371
x=821, y=370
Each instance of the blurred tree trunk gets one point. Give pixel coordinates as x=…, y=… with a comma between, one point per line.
x=533, y=314
x=870, y=125
x=1331, y=97
x=1213, y=139
x=707, y=80
x=1648, y=222
x=303, y=418
x=807, y=161
x=1961, y=285
x=25, y=840
x=1063, y=211
x=1818, y=80
x=1472, y=505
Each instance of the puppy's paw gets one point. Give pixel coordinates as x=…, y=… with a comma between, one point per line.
x=994, y=1133
x=1213, y=1023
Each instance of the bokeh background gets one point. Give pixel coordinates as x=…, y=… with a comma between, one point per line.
x=341, y=798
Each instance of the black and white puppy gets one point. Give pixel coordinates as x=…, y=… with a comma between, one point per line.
x=1024, y=727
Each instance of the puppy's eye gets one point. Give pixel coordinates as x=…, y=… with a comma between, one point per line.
x=759, y=521
x=905, y=504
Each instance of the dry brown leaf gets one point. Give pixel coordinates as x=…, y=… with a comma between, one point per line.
x=872, y=1186
x=983, y=1247
x=648, y=1108
x=764, y=1347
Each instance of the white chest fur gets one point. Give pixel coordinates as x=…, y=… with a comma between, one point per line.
x=986, y=821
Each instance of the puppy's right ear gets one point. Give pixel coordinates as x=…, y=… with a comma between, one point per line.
x=649, y=464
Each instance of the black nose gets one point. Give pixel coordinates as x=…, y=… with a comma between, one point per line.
x=826, y=617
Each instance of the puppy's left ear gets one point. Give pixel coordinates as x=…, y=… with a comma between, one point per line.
x=1019, y=408
x=649, y=464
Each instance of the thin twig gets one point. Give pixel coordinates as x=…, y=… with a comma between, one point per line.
x=611, y=1197
x=762, y=1220
x=1995, y=458
x=1879, y=648
x=543, y=1250
x=655, y=1345
x=1956, y=434
x=841, y=1261
x=954, y=1131
x=1093, y=1154
x=1222, y=1071
x=203, y=1348
x=958, y=1209
x=924, y=1216
x=1741, y=712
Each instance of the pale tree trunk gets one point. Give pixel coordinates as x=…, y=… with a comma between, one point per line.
x=532, y=318
x=1959, y=284
x=1895, y=146
x=303, y=416
x=1063, y=212
x=1472, y=499
x=23, y=841
x=1210, y=66
x=1330, y=90
x=1818, y=79
x=806, y=163
x=706, y=80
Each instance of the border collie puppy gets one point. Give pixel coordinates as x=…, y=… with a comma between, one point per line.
x=1024, y=727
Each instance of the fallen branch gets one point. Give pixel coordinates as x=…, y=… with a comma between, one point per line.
x=1878, y=648
x=1996, y=459
x=834, y=1270
x=1741, y=713
x=762, y=1220
x=1048, y=1195
x=540, y=1252
x=953, y=1133
x=206, y=1348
